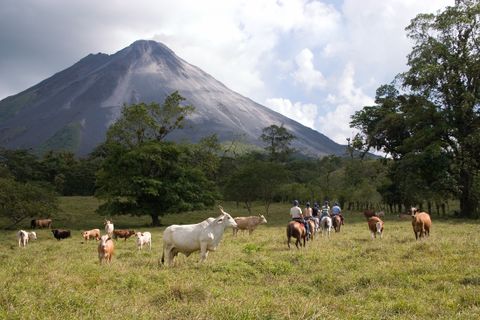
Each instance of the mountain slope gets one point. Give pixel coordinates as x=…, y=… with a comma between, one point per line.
x=73, y=108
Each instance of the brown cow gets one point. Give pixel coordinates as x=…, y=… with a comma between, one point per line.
x=297, y=230
x=105, y=249
x=41, y=223
x=375, y=224
x=94, y=233
x=421, y=223
x=248, y=223
x=123, y=234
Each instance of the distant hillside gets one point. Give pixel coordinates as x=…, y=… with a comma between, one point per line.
x=72, y=109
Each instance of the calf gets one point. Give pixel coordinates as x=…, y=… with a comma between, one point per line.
x=109, y=227
x=123, y=234
x=105, y=249
x=375, y=224
x=61, y=234
x=248, y=223
x=94, y=233
x=421, y=223
x=143, y=238
x=24, y=236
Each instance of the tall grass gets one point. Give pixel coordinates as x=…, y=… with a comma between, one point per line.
x=347, y=276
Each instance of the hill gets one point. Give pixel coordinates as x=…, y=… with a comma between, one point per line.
x=72, y=109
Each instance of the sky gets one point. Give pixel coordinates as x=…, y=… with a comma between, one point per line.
x=316, y=62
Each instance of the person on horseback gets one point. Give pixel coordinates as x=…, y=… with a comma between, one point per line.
x=325, y=212
x=297, y=215
x=308, y=215
x=336, y=210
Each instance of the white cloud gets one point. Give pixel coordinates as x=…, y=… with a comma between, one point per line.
x=306, y=75
x=347, y=99
x=305, y=114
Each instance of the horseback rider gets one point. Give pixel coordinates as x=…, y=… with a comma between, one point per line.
x=315, y=212
x=308, y=214
x=325, y=212
x=336, y=210
x=297, y=215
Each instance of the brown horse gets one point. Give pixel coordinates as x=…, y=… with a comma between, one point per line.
x=337, y=222
x=311, y=223
x=41, y=223
x=297, y=230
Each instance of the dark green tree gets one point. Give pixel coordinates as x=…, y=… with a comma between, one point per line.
x=256, y=181
x=19, y=201
x=436, y=115
x=153, y=178
x=144, y=122
x=143, y=175
x=277, y=142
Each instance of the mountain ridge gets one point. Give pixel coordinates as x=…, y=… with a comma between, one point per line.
x=82, y=100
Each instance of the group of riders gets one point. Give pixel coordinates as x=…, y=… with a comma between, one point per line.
x=316, y=214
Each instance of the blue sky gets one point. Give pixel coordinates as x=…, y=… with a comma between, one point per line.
x=316, y=62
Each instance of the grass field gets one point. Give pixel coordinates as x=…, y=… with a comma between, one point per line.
x=347, y=276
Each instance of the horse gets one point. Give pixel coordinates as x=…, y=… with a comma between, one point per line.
x=297, y=230
x=326, y=225
x=313, y=229
x=41, y=223
x=336, y=222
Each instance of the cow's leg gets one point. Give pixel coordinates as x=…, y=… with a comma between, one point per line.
x=203, y=251
x=288, y=241
x=371, y=235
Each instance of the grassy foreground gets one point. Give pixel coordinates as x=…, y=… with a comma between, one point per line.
x=347, y=276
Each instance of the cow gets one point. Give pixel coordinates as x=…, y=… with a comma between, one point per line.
x=143, y=238
x=105, y=249
x=41, y=223
x=94, y=234
x=24, y=236
x=248, y=223
x=123, y=234
x=61, y=234
x=421, y=223
x=204, y=236
x=375, y=224
x=109, y=227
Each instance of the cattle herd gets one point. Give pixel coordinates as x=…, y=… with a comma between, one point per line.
x=206, y=235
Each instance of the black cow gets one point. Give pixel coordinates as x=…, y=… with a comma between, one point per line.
x=61, y=234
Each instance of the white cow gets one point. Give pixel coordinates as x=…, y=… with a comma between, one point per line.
x=109, y=227
x=23, y=237
x=204, y=236
x=143, y=238
x=326, y=225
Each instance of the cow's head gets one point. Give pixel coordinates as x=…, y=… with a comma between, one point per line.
x=33, y=235
x=379, y=227
x=107, y=222
x=262, y=219
x=103, y=240
x=227, y=220
x=413, y=211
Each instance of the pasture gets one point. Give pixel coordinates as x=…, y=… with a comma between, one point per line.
x=348, y=276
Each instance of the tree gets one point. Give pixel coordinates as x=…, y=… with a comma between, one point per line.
x=436, y=114
x=152, y=179
x=143, y=175
x=19, y=201
x=143, y=122
x=277, y=140
x=256, y=180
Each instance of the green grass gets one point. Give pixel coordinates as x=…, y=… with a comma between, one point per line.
x=347, y=276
